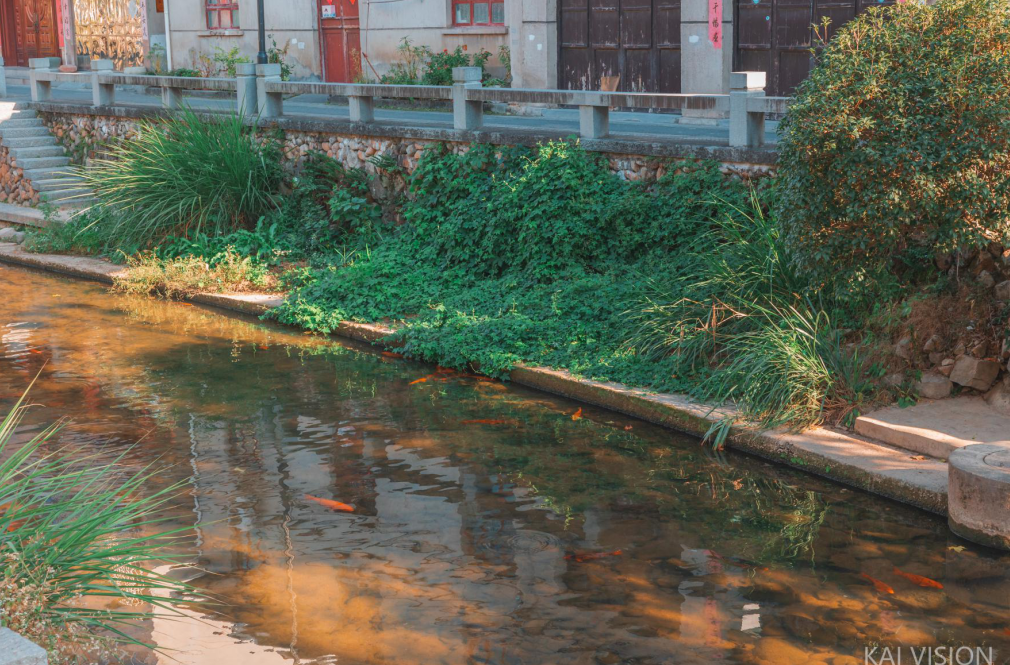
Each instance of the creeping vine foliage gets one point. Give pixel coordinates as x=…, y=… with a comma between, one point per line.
x=523, y=254
x=898, y=143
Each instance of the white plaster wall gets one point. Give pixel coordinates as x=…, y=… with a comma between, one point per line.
x=292, y=22
x=384, y=24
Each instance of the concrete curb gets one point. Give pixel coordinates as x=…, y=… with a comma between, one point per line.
x=873, y=467
x=17, y=650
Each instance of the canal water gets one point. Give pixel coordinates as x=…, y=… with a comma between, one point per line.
x=490, y=524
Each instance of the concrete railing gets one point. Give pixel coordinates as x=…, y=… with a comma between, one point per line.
x=260, y=92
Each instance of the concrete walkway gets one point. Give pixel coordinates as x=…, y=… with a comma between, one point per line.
x=656, y=126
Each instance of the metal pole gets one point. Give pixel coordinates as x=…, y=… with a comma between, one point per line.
x=261, y=57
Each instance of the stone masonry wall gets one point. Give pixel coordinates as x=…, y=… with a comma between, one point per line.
x=14, y=187
x=85, y=137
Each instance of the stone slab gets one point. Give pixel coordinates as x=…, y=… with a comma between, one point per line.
x=26, y=216
x=17, y=650
x=937, y=428
x=876, y=468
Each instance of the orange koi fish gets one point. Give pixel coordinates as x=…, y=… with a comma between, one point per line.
x=877, y=584
x=485, y=421
x=421, y=380
x=329, y=503
x=577, y=415
x=264, y=347
x=582, y=557
x=919, y=579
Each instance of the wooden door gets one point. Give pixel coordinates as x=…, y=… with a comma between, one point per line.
x=635, y=43
x=775, y=36
x=341, y=40
x=35, y=27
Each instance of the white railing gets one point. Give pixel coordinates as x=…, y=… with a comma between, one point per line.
x=260, y=91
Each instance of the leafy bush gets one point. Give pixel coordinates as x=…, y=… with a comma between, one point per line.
x=421, y=65
x=72, y=530
x=898, y=143
x=227, y=61
x=438, y=71
x=265, y=244
x=189, y=174
x=521, y=255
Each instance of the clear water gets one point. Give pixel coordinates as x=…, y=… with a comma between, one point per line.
x=533, y=538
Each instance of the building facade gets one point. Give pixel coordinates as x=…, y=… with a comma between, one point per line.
x=688, y=46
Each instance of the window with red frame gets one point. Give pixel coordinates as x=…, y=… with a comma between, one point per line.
x=478, y=12
x=222, y=15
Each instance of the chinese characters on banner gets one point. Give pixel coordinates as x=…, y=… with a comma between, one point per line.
x=715, y=22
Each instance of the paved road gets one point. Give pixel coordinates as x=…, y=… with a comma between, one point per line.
x=657, y=126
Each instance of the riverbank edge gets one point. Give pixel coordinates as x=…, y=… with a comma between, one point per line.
x=872, y=467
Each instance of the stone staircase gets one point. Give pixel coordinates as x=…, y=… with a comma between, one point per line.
x=42, y=159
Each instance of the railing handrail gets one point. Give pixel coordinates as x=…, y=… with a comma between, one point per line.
x=638, y=100
x=261, y=92
x=384, y=90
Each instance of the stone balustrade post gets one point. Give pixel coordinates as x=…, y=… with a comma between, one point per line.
x=245, y=88
x=467, y=115
x=270, y=104
x=746, y=128
x=594, y=118
x=362, y=109
x=41, y=90
x=102, y=94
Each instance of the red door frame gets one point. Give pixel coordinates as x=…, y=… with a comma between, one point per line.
x=340, y=41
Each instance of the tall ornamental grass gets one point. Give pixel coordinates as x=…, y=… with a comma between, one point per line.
x=187, y=174
x=78, y=542
x=748, y=330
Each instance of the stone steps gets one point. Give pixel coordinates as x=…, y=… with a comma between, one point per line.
x=937, y=427
x=41, y=158
x=43, y=162
x=35, y=151
x=21, y=132
x=30, y=142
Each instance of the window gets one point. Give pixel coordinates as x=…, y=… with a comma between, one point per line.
x=478, y=12
x=222, y=15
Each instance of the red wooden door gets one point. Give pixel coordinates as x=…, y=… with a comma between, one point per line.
x=35, y=27
x=341, y=39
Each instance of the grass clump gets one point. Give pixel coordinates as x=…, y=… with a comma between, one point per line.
x=182, y=276
x=73, y=532
x=185, y=175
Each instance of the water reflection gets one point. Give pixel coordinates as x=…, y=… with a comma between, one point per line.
x=489, y=526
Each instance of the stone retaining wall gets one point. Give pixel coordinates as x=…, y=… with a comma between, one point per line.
x=14, y=187
x=86, y=136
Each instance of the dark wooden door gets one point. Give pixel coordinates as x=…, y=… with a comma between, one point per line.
x=775, y=36
x=35, y=28
x=631, y=44
x=341, y=39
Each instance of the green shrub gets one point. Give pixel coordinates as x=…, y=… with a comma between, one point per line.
x=72, y=530
x=898, y=143
x=189, y=174
x=522, y=255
